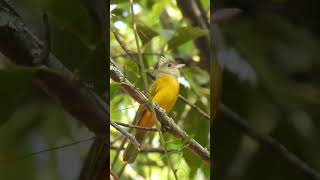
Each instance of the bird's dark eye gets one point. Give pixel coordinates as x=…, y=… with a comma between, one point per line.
x=169, y=65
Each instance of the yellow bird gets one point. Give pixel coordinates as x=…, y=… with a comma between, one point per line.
x=164, y=91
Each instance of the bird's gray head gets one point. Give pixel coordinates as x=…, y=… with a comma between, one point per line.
x=168, y=66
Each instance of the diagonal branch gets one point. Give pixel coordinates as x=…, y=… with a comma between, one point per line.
x=133, y=58
x=269, y=143
x=166, y=121
x=22, y=47
x=126, y=134
x=193, y=12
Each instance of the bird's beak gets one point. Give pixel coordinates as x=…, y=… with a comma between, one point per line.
x=178, y=66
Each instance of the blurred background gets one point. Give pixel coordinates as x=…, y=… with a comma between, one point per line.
x=271, y=69
x=162, y=29
x=30, y=120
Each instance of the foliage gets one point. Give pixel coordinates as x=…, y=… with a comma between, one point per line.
x=30, y=120
x=271, y=77
x=161, y=29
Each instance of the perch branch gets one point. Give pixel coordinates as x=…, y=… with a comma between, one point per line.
x=166, y=121
x=145, y=80
x=23, y=48
x=269, y=143
x=132, y=57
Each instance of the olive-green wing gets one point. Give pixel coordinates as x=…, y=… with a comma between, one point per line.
x=154, y=88
x=142, y=108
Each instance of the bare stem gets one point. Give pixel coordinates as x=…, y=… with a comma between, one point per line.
x=146, y=88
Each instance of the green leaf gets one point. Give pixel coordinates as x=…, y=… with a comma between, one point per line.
x=205, y=3
x=114, y=109
x=166, y=34
x=114, y=87
x=118, y=12
x=156, y=11
x=198, y=127
x=145, y=33
x=14, y=83
x=185, y=34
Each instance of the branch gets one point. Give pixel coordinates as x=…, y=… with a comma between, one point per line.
x=240, y=123
x=133, y=56
x=269, y=143
x=23, y=48
x=126, y=134
x=114, y=176
x=195, y=107
x=194, y=13
x=145, y=80
x=115, y=34
x=147, y=150
x=136, y=127
x=166, y=121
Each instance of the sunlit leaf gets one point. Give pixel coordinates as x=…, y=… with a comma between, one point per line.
x=114, y=87
x=156, y=11
x=145, y=33
x=185, y=34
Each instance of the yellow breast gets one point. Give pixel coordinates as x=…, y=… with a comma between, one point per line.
x=166, y=92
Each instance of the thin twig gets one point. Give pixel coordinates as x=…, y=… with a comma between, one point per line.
x=165, y=121
x=136, y=127
x=122, y=169
x=126, y=134
x=133, y=53
x=22, y=47
x=148, y=149
x=146, y=86
x=128, y=53
x=114, y=175
x=269, y=143
x=118, y=152
x=195, y=107
x=192, y=11
x=122, y=44
x=57, y=147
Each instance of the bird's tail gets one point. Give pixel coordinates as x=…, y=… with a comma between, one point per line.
x=131, y=151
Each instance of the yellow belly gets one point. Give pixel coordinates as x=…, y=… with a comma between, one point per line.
x=166, y=93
